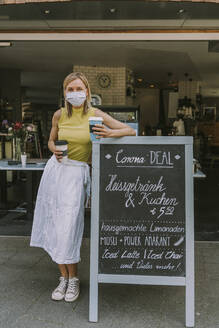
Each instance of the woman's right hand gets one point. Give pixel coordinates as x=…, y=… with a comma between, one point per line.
x=58, y=154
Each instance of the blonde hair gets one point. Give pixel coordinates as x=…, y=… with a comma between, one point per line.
x=71, y=77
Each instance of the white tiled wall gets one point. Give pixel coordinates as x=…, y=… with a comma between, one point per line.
x=189, y=89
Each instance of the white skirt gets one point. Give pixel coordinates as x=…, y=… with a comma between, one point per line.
x=59, y=212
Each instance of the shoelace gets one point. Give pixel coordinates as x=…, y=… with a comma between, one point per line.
x=72, y=286
x=62, y=284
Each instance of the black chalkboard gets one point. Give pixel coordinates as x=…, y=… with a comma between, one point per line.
x=142, y=209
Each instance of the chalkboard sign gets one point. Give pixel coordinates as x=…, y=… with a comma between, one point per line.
x=142, y=215
x=142, y=210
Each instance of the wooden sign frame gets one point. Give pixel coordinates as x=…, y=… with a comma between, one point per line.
x=188, y=280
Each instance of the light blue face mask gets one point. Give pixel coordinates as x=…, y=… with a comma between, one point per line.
x=76, y=98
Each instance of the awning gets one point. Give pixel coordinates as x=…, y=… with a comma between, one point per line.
x=5, y=2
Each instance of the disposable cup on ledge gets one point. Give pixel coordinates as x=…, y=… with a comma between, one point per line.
x=23, y=159
x=92, y=121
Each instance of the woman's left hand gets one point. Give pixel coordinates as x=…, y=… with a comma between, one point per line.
x=101, y=131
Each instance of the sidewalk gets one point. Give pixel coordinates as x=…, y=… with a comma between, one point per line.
x=28, y=276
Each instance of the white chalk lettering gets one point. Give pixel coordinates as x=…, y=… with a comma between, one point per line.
x=160, y=158
x=157, y=241
x=142, y=265
x=173, y=255
x=108, y=255
x=108, y=241
x=155, y=228
x=163, y=200
x=136, y=186
x=127, y=266
x=128, y=160
x=152, y=255
x=132, y=241
x=123, y=228
x=130, y=255
x=165, y=267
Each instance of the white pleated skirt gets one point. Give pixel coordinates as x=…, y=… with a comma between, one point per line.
x=58, y=222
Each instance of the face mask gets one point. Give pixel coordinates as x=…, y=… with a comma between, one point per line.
x=76, y=98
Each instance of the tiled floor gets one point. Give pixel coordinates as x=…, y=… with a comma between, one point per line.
x=28, y=276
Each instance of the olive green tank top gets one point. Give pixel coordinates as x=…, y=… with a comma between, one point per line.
x=75, y=130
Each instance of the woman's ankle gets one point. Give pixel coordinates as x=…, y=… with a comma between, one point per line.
x=65, y=277
x=74, y=276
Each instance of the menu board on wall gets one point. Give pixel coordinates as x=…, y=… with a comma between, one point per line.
x=142, y=209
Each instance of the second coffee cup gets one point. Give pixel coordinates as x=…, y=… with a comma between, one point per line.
x=92, y=121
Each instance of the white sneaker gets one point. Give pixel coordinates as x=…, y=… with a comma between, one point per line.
x=59, y=293
x=73, y=290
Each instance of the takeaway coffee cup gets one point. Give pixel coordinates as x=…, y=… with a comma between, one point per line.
x=92, y=121
x=63, y=146
x=23, y=159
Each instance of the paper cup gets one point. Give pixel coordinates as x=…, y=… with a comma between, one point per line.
x=92, y=121
x=23, y=159
x=63, y=146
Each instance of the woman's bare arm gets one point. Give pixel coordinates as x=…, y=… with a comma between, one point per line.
x=54, y=135
x=115, y=128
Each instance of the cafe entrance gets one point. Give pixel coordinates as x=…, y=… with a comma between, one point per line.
x=166, y=78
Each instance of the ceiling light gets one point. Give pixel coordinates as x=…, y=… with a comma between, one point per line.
x=151, y=86
x=47, y=11
x=112, y=10
x=5, y=44
x=181, y=11
x=139, y=79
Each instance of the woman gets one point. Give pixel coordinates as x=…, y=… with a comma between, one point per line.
x=59, y=213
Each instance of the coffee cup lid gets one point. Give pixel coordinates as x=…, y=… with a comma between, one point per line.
x=95, y=118
x=61, y=142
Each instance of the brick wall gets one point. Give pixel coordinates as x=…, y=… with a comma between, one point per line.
x=115, y=94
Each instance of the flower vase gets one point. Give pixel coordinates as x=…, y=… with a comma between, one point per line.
x=16, y=151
